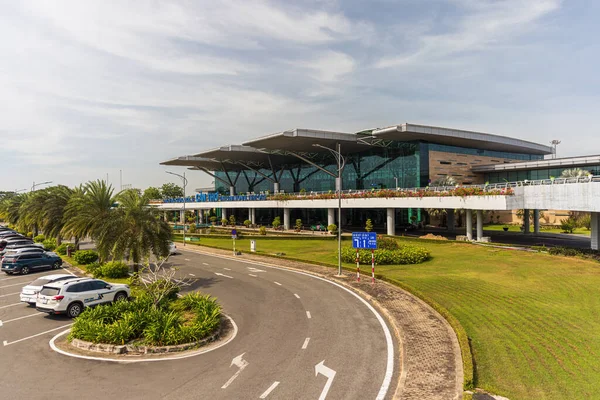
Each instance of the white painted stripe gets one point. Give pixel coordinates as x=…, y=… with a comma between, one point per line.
x=27, y=277
x=228, y=269
x=68, y=271
x=6, y=343
x=226, y=276
x=196, y=353
x=308, y=315
x=389, y=371
x=10, y=294
x=269, y=390
x=11, y=305
x=14, y=284
x=255, y=276
x=182, y=282
x=191, y=274
x=296, y=296
x=204, y=264
x=305, y=345
x=16, y=319
x=277, y=283
x=187, y=259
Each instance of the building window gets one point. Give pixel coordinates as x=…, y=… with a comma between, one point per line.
x=445, y=162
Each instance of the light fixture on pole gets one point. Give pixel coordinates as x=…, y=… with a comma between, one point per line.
x=184, y=179
x=341, y=162
x=19, y=190
x=39, y=184
x=554, y=143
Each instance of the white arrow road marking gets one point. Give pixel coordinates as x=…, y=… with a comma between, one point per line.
x=16, y=319
x=6, y=343
x=305, y=345
x=296, y=296
x=277, y=283
x=241, y=364
x=308, y=315
x=226, y=276
x=255, y=276
x=269, y=390
x=228, y=269
x=10, y=294
x=11, y=305
x=320, y=368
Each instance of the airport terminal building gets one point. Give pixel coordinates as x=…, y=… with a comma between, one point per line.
x=407, y=156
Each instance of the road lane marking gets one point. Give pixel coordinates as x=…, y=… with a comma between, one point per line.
x=6, y=343
x=241, y=364
x=305, y=345
x=11, y=305
x=187, y=259
x=277, y=283
x=269, y=390
x=16, y=319
x=182, y=282
x=308, y=315
x=191, y=274
x=251, y=269
x=228, y=269
x=67, y=270
x=25, y=276
x=320, y=368
x=14, y=284
x=296, y=296
x=10, y=294
x=255, y=276
x=204, y=264
x=226, y=276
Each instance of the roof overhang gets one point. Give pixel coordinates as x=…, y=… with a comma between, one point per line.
x=305, y=141
x=244, y=154
x=569, y=162
x=455, y=137
x=196, y=162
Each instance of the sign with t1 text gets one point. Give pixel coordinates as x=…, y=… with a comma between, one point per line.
x=364, y=240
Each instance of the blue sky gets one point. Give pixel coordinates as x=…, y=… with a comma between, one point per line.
x=90, y=88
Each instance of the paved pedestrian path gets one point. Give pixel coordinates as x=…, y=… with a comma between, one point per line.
x=429, y=354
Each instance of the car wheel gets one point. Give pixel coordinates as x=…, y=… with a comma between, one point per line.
x=120, y=296
x=56, y=265
x=74, y=310
x=25, y=270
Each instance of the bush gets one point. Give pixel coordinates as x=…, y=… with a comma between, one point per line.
x=585, y=221
x=49, y=244
x=224, y=222
x=369, y=225
x=332, y=228
x=213, y=219
x=232, y=220
x=276, y=222
x=247, y=223
x=298, y=225
x=262, y=230
x=62, y=249
x=403, y=255
x=39, y=238
x=95, y=269
x=386, y=243
x=85, y=257
x=569, y=225
x=113, y=270
x=29, y=234
x=192, y=228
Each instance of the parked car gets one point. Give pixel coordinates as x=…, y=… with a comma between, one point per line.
x=72, y=296
x=26, y=262
x=20, y=250
x=172, y=248
x=16, y=241
x=18, y=244
x=10, y=236
x=29, y=292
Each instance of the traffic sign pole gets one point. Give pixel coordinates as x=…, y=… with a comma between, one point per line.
x=372, y=266
x=357, y=266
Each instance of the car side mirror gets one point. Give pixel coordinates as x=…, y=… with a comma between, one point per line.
x=107, y=287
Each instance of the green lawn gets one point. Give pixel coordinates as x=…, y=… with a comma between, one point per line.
x=516, y=228
x=533, y=319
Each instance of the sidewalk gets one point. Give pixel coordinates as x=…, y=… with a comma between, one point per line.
x=429, y=355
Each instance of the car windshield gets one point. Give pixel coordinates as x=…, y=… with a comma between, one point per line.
x=49, y=291
x=39, y=282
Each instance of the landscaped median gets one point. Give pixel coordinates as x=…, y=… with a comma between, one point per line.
x=528, y=318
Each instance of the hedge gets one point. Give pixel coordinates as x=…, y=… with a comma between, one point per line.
x=85, y=257
x=405, y=254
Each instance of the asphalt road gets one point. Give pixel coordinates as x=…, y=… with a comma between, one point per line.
x=299, y=338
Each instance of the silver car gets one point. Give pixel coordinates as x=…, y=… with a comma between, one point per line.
x=29, y=292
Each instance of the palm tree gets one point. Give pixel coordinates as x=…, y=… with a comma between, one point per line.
x=135, y=229
x=446, y=180
x=10, y=206
x=574, y=173
x=53, y=210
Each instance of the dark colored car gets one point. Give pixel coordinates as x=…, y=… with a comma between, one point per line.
x=26, y=262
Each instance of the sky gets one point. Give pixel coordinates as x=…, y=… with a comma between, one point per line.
x=92, y=88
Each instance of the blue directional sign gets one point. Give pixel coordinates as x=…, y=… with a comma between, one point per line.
x=234, y=233
x=364, y=240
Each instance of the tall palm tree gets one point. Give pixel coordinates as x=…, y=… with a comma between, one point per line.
x=10, y=206
x=134, y=229
x=574, y=173
x=446, y=180
x=53, y=210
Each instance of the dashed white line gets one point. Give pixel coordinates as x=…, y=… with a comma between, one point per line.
x=226, y=276
x=7, y=343
x=255, y=276
x=14, y=284
x=308, y=315
x=296, y=296
x=10, y=294
x=269, y=390
x=11, y=305
x=277, y=283
x=228, y=269
x=16, y=319
x=191, y=274
x=305, y=345
x=204, y=263
x=187, y=259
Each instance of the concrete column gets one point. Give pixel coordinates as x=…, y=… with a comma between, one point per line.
x=232, y=190
x=469, y=223
x=276, y=187
x=223, y=214
x=286, y=218
x=536, y=221
x=595, y=231
x=250, y=215
x=450, y=220
x=165, y=218
x=253, y=216
x=201, y=216
x=330, y=216
x=526, y=221
x=479, y=225
x=391, y=221
x=182, y=217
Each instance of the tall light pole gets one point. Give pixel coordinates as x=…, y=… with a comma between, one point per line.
x=20, y=190
x=554, y=143
x=341, y=162
x=184, y=179
x=396, y=178
x=39, y=184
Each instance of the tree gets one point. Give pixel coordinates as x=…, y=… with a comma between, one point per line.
x=574, y=173
x=50, y=204
x=171, y=190
x=298, y=225
x=446, y=180
x=10, y=206
x=369, y=225
x=152, y=193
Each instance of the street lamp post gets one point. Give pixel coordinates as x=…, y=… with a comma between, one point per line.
x=184, y=179
x=341, y=162
x=396, y=178
x=39, y=184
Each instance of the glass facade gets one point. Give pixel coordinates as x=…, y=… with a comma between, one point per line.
x=536, y=174
x=487, y=153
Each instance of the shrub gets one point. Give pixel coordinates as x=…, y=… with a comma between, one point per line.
x=262, y=230
x=29, y=234
x=247, y=223
x=62, y=249
x=114, y=270
x=298, y=225
x=385, y=243
x=49, y=244
x=224, y=222
x=332, y=228
x=232, y=220
x=569, y=225
x=85, y=257
x=39, y=238
x=94, y=268
x=585, y=221
x=369, y=225
x=192, y=228
x=213, y=219
x=403, y=255
x=276, y=222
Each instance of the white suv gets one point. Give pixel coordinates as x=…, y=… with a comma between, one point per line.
x=71, y=296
